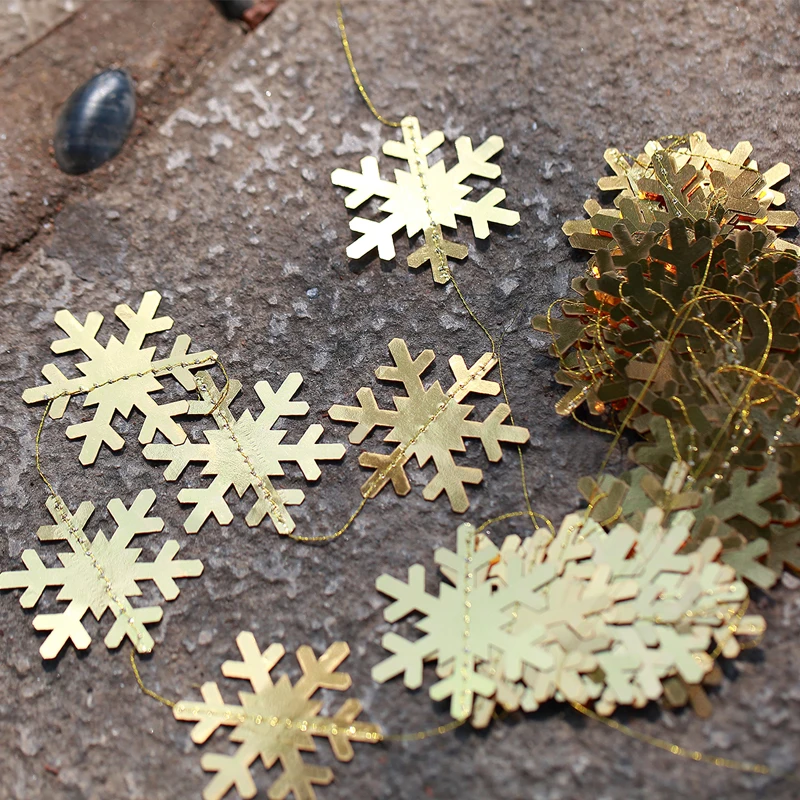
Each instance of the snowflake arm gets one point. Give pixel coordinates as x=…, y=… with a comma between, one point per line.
x=119, y=377
x=365, y=184
x=99, y=575
x=277, y=721
x=486, y=210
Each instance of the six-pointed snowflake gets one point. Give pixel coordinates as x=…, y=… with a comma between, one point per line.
x=245, y=453
x=276, y=721
x=585, y=615
x=119, y=377
x=424, y=198
x=429, y=424
x=99, y=575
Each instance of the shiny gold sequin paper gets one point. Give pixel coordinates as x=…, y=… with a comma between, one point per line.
x=429, y=423
x=686, y=327
x=424, y=198
x=688, y=178
x=276, y=721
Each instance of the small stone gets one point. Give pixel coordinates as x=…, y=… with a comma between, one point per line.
x=112, y=215
x=95, y=122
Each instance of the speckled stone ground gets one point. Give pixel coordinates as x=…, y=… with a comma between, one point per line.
x=227, y=209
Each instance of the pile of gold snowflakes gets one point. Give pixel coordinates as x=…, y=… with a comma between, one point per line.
x=686, y=328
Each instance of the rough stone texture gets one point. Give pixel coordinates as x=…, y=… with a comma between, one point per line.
x=26, y=21
x=228, y=211
x=168, y=49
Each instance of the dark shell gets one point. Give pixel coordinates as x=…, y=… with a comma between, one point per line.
x=95, y=122
x=233, y=9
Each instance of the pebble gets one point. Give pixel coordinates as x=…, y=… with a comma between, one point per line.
x=95, y=122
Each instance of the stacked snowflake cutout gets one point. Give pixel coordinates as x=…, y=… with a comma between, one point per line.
x=587, y=615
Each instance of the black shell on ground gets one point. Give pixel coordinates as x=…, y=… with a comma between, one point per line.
x=95, y=122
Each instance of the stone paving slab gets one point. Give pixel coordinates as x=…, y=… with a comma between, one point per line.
x=226, y=208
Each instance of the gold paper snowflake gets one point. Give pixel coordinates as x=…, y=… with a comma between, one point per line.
x=424, y=198
x=99, y=575
x=429, y=424
x=587, y=615
x=119, y=377
x=276, y=721
x=245, y=453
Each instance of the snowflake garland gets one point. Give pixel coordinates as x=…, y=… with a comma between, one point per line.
x=424, y=198
x=119, y=377
x=99, y=575
x=245, y=453
x=587, y=615
x=276, y=721
x=689, y=179
x=430, y=424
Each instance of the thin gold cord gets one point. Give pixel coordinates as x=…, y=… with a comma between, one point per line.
x=496, y=353
x=420, y=735
x=669, y=747
x=354, y=72
x=36, y=447
x=331, y=536
x=145, y=690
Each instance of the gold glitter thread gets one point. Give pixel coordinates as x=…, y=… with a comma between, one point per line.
x=495, y=352
x=145, y=690
x=428, y=734
x=674, y=749
x=354, y=72
x=331, y=536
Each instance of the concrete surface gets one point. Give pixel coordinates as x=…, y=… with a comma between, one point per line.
x=225, y=206
x=24, y=22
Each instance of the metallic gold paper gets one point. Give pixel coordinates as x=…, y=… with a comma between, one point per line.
x=245, y=453
x=119, y=377
x=430, y=424
x=424, y=198
x=276, y=721
x=99, y=575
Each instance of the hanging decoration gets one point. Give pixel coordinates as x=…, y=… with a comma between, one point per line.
x=245, y=453
x=686, y=328
x=277, y=721
x=430, y=424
